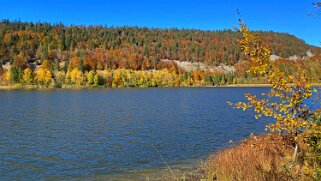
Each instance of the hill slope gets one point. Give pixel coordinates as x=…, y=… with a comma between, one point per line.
x=130, y=47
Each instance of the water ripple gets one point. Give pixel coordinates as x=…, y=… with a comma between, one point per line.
x=61, y=134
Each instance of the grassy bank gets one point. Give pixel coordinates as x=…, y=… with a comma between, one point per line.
x=265, y=157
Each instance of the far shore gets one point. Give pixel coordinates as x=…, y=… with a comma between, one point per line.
x=75, y=87
x=40, y=87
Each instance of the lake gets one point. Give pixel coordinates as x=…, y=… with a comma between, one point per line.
x=116, y=133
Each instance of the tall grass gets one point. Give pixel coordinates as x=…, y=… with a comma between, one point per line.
x=266, y=157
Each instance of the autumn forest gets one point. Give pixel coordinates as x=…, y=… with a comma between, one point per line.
x=47, y=55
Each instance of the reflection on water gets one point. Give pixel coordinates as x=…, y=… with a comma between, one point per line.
x=102, y=133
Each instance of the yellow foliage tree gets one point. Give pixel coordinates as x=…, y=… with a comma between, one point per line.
x=44, y=75
x=286, y=101
x=90, y=77
x=28, y=76
x=116, y=78
x=96, y=80
x=76, y=76
x=60, y=78
x=6, y=76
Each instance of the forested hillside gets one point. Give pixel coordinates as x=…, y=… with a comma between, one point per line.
x=62, y=50
x=131, y=47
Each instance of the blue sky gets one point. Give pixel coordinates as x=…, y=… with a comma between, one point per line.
x=277, y=15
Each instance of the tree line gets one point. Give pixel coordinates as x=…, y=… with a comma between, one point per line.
x=51, y=54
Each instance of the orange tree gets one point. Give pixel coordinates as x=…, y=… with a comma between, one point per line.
x=285, y=102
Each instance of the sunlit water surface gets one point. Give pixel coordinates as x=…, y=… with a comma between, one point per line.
x=114, y=133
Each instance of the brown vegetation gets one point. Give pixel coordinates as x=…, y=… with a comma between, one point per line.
x=266, y=157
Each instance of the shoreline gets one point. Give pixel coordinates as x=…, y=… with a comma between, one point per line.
x=86, y=87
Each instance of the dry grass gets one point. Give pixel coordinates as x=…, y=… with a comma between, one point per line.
x=266, y=157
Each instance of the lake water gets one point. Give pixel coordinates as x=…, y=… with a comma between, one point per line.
x=111, y=133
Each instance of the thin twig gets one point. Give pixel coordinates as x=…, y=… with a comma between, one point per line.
x=147, y=177
x=168, y=167
x=294, y=155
